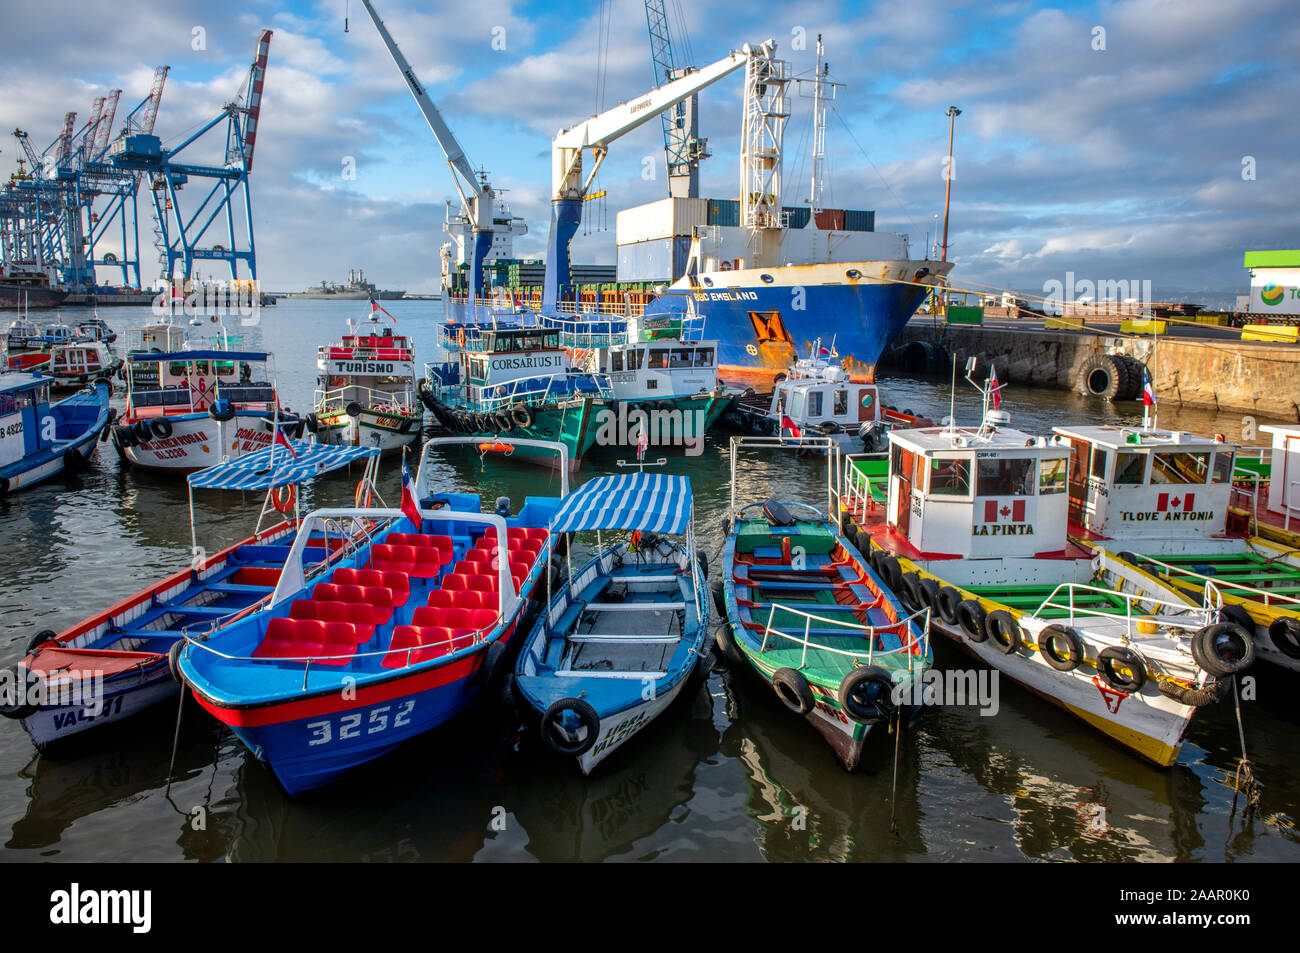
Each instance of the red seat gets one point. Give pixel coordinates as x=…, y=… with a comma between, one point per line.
x=441, y=598
x=483, y=582
x=308, y=638
x=519, y=570
x=429, y=561
x=405, y=637
x=398, y=583
x=358, y=615
x=469, y=566
x=379, y=599
x=455, y=582
x=385, y=557
x=482, y=619
x=340, y=640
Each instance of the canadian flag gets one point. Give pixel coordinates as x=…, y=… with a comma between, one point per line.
x=1165, y=500
x=995, y=512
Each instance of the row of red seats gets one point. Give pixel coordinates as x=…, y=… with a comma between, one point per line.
x=309, y=638
x=420, y=562
x=412, y=644
x=419, y=539
x=464, y=599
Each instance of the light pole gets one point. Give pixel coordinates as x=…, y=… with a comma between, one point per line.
x=953, y=113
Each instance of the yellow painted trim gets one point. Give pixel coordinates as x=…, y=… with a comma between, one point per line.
x=1157, y=751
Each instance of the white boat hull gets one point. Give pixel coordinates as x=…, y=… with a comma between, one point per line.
x=199, y=441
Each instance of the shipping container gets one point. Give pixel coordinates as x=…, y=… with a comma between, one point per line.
x=724, y=212
x=797, y=217
x=831, y=219
x=655, y=261
x=657, y=220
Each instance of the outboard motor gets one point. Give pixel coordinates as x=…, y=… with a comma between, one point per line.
x=503, y=507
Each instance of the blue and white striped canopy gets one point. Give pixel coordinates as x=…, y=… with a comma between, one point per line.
x=652, y=502
x=262, y=471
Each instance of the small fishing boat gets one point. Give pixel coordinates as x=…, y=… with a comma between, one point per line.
x=349, y=660
x=1160, y=500
x=76, y=365
x=627, y=632
x=812, y=618
x=28, y=361
x=114, y=664
x=95, y=329
x=816, y=397
x=191, y=409
x=39, y=439
x=973, y=523
x=366, y=396
x=515, y=381
x=23, y=335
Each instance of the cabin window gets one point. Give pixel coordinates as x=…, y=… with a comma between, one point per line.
x=950, y=478
x=1179, y=467
x=704, y=357
x=867, y=398
x=1005, y=476
x=12, y=403
x=682, y=358
x=1099, y=463
x=616, y=361
x=1222, y=467
x=635, y=359
x=658, y=360
x=1130, y=468
x=1051, y=476
x=841, y=403
x=814, y=405
x=796, y=404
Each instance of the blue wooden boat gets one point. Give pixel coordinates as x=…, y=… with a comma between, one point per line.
x=114, y=663
x=39, y=439
x=623, y=637
x=351, y=659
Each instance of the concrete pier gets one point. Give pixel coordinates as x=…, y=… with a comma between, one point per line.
x=1204, y=370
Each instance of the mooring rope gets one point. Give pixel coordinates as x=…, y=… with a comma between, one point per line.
x=1244, y=782
x=897, y=729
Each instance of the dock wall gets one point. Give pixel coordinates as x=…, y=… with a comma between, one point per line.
x=1218, y=373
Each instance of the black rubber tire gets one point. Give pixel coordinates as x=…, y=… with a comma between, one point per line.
x=141, y=431
x=703, y=562
x=407, y=425
x=949, y=599
x=930, y=591
x=909, y=592
x=123, y=437
x=971, y=617
x=719, y=599
x=503, y=422
x=586, y=714
x=1284, y=633
x=489, y=670
x=1237, y=615
x=792, y=688
x=724, y=644
x=890, y=573
x=74, y=461
x=507, y=695
x=39, y=639
x=1101, y=376
x=1132, y=369
x=160, y=427
x=1053, y=635
x=1194, y=697
x=1224, y=649
x=1003, y=631
x=353, y=409
x=4, y=485
x=174, y=659
x=221, y=410
x=703, y=666
x=522, y=415
x=1114, y=655
x=1047, y=641
x=866, y=694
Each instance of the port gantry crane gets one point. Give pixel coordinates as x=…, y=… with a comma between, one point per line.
x=683, y=148
x=477, y=197
x=569, y=188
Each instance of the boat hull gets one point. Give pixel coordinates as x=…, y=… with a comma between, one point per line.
x=121, y=698
x=572, y=423
x=53, y=460
x=369, y=429
x=196, y=441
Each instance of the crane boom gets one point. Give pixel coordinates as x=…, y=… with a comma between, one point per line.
x=467, y=183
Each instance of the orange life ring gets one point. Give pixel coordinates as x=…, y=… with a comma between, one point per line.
x=505, y=448
x=285, y=498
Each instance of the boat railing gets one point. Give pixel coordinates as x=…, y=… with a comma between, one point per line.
x=1255, y=593
x=1063, y=597
x=912, y=645
x=855, y=495
x=328, y=401
x=527, y=391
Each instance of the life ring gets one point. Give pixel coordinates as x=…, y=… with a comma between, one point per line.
x=792, y=688
x=587, y=718
x=971, y=616
x=161, y=427
x=1047, y=644
x=505, y=448
x=1224, y=649
x=1003, y=631
x=1112, y=656
x=284, y=498
x=867, y=694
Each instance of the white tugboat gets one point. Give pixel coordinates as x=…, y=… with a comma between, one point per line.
x=973, y=523
x=367, y=389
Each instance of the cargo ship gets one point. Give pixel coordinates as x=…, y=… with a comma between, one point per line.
x=767, y=279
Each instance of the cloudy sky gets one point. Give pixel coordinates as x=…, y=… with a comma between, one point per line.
x=1142, y=139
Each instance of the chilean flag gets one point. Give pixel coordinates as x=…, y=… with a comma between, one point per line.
x=374, y=306
x=283, y=441
x=642, y=443
x=788, y=424
x=995, y=389
x=409, y=508
x=1148, y=390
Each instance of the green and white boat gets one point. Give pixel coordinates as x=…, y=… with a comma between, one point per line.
x=804, y=609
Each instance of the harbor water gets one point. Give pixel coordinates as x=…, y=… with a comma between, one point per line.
x=725, y=774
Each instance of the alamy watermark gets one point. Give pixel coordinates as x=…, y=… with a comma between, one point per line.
x=662, y=427
x=1085, y=292
x=955, y=687
x=211, y=299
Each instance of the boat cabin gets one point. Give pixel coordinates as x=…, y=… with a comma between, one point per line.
x=514, y=364
x=819, y=392
x=991, y=492
x=23, y=335
x=1284, y=469
x=160, y=338
x=1130, y=482
x=96, y=329
x=78, y=360
x=377, y=370
x=58, y=334
x=186, y=382
x=24, y=400
x=660, y=368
